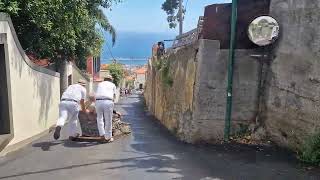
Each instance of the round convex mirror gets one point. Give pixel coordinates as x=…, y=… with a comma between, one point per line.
x=263, y=31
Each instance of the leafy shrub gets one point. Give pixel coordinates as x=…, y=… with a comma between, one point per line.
x=166, y=78
x=117, y=72
x=310, y=151
x=242, y=130
x=158, y=65
x=163, y=65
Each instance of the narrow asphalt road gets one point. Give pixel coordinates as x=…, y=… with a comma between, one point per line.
x=150, y=153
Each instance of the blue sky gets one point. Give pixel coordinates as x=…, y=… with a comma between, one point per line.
x=141, y=23
x=147, y=15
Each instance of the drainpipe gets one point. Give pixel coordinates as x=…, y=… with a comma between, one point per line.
x=230, y=70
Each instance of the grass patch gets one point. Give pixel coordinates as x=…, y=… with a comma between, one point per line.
x=242, y=131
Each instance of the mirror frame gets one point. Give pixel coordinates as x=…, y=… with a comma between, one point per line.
x=274, y=33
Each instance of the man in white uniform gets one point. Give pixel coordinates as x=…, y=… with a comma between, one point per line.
x=105, y=94
x=69, y=109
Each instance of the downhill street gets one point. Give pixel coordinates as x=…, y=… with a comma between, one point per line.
x=149, y=153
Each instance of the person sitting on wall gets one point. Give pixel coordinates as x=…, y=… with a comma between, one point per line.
x=160, y=49
x=155, y=48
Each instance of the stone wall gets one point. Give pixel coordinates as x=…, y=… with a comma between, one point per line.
x=210, y=90
x=172, y=105
x=217, y=19
x=194, y=106
x=293, y=98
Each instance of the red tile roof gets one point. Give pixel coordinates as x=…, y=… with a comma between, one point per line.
x=129, y=78
x=141, y=71
x=104, y=66
x=39, y=62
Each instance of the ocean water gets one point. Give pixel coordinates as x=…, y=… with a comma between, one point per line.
x=132, y=48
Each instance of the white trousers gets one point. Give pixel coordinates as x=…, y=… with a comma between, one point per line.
x=69, y=111
x=104, y=109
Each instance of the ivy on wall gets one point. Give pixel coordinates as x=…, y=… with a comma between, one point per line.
x=163, y=66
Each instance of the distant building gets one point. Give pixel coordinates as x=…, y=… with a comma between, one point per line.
x=140, y=78
x=104, y=66
x=104, y=71
x=93, y=66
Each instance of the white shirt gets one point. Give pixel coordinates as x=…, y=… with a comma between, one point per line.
x=75, y=92
x=105, y=89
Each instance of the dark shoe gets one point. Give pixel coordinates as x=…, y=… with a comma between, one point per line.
x=74, y=138
x=56, y=134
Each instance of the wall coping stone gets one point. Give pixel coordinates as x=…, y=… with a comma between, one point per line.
x=80, y=72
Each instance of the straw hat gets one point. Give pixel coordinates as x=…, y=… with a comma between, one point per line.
x=109, y=77
x=82, y=82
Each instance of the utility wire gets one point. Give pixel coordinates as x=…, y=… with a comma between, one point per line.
x=186, y=5
x=185, y=8
x=110, y=52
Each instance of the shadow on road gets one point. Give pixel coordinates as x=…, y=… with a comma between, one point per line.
x=46, y=146
x=221, y=161
x=136, y=159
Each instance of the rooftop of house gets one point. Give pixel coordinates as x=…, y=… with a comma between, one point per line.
x=104, y=66
x=142, y=70
x=129, y=78
x=39, y=62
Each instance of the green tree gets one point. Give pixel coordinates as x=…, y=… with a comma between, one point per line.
x=61, y=30
x=171, y=7
x=130, y=84
x=117, y=72
x=9, y=6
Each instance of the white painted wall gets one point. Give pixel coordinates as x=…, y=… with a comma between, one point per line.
x=35, y=95
x=140, y=79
